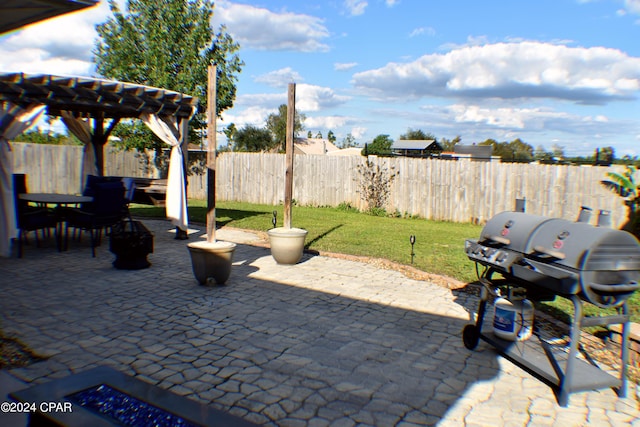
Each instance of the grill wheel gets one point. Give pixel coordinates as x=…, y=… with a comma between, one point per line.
x=470, y=337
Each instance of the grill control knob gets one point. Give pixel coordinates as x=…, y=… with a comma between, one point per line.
x=501, y=257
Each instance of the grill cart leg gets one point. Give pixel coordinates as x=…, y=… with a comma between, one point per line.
x=471, y=333
x=565, y=384
x=624, y=355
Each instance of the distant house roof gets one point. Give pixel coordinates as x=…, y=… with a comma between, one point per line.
x=476, y=151
x=314, y=146
x=416, y=147
x=414, y=144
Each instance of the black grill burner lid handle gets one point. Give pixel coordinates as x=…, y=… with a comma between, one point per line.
x=551, y=253
x=498, y=239
x=614, y=289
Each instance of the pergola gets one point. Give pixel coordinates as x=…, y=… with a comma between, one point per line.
x=91, y=108
x=15, y=14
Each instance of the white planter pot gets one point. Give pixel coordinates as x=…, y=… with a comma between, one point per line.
x=287, y=244
x=211, y=260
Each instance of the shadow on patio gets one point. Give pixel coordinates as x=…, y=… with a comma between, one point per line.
x=324, y=342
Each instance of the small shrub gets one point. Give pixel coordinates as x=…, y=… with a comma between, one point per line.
x=377, y=212
x=347, y=207
x=375, y=185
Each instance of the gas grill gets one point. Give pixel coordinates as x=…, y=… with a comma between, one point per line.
x=551, y=257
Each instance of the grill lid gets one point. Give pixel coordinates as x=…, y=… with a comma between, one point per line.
x=511, y=229
x=583, y=247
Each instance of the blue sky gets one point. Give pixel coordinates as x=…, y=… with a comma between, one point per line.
x=563, y=72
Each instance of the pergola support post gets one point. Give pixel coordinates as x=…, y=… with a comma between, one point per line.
x=183, y=125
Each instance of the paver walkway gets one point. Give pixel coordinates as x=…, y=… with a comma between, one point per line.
x=324, y=342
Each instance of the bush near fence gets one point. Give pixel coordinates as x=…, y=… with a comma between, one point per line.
x=459, y=191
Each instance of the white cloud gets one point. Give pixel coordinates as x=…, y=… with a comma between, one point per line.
x=253, y=109
x=253, y=116
x=391, y=3
x=504, y=117
x=632, y=6
x=358, y=131
x=308, y=98
x=508, y=71
x=60, y=45
x=422, y=30
x=344, y=66
x=264, y=100
x=261, y=29
x=280, y=78
x=315, y=98
x=355, y=7
x=529, y=124
x=326, y=122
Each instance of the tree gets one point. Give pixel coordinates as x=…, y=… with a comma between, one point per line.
x=35, y=136
x=277, y=125
x=522, y=152
x=331, y=137
x=348, y=141
x=604, y=156
x=558, y=151
x=252, y=138
x=380, y=146
x=230, y=132
x=514, y=151
x=417, y=134
x=168, y=44
x=543, y=156
x=449, y=145
x=630, y=160
x=319, y=135
x=309, y=135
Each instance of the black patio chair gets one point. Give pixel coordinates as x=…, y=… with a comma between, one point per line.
x=107, y=209
x=31, y=218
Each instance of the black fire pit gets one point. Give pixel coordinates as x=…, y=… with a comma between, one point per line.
x=131, y=242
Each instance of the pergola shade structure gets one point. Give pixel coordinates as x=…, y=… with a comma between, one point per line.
x=88, y=96
x=86, y=106
x=15, y=14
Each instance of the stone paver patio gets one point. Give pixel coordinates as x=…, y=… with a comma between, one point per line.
x=324, y=342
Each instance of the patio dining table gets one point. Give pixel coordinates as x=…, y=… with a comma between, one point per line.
x=58, y=202
x=55, y=198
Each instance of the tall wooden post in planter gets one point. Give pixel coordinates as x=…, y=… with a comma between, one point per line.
x=211, y=258
x=290, y=138
x=287, y=243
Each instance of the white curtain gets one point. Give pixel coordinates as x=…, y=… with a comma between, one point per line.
x=13, y=121
x=166, y=128
x=82, y=130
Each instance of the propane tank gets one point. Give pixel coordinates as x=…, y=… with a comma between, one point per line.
x=513, y=317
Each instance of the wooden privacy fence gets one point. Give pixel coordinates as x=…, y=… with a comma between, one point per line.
x=460, y=191
x=58, y=168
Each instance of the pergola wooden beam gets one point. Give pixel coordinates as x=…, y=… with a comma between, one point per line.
x=97, y=99
x=15, y=14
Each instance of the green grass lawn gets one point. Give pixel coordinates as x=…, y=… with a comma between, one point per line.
x=439, y=246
